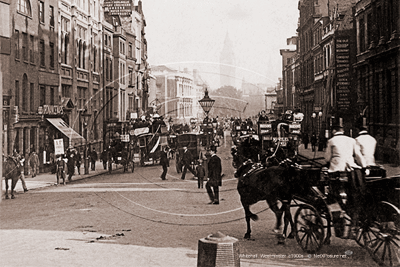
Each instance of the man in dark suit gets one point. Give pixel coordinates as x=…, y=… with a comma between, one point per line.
x=164, y=162
x=186, y=161
x=215, y=178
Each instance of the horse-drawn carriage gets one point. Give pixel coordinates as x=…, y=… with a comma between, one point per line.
x=365, y=209
x=121, y=151
x=195, y=144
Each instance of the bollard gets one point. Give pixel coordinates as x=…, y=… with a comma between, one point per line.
x=217, y=250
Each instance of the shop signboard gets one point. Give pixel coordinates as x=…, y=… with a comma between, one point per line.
x=343, y=73
x=58, y=146
x=118, y=7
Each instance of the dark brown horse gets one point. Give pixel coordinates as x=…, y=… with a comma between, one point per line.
x=11, y=172
x=272, y=184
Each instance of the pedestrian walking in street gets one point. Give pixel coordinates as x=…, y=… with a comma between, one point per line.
x=19, y=158
x=53, y=166
x=306, y=140
x=200, y=173
x=61, y=166
x=34, y=163
x=78, y=160
x=215, y=178
x=104, y=158
x=186, y=161
x=93, y=159
x=313, y=142
x=71, y=156
x=164, y=161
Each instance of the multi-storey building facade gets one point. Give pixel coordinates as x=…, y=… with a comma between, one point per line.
x=31, y=90
x=288, y=73
x=324, y=58
x=65, y=64
x=377, y=71
x=176, y=93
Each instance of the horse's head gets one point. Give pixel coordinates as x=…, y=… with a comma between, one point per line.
x=243, y=168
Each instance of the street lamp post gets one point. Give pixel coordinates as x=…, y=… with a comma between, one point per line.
x=313, y=116
x=206, y=103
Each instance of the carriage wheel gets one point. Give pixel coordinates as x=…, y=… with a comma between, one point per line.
x=309, y=228
x=382, y=236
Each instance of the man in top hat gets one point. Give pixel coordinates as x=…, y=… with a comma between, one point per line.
x=341, y=153
x=367, y=144
x=215, y=178
x=186, y=161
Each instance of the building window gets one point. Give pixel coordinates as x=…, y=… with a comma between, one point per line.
x=42, y=53
x=52, y=96
x=41, y=12
x=32, y=98
x=111, y=70
x=42, y=97
x=81, y=97
x=52, y=55
x=24, y=7
x=51, y=16
x=32, y=49
x=25, y=46
x=95, y=59
x=362, y=35
x=66, y=90
x=105, y=40
x=94, y=98
x=130, y=50
x=17, y=94
x=25, y=93
x=16, y=44
x=83, y=56
x=130, y=77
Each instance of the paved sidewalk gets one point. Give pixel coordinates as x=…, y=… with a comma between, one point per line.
x=49, y=179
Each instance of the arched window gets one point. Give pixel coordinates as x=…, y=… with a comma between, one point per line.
x=24, y=6
x=66, y=41
x=79, y=54
x=94, y=59
x=83, y=55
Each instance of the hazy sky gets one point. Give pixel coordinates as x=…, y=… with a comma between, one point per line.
x=189, y=33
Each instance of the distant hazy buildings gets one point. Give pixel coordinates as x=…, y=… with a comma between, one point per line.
x=177, y=93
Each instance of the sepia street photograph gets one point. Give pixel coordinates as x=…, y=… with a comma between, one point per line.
x=187, y=133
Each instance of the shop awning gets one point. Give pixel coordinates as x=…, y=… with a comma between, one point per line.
x=63, y=127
